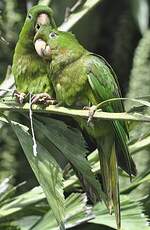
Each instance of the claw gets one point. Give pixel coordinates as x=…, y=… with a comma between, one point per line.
x=43, y=98
x=20, y=97
x=92, y=110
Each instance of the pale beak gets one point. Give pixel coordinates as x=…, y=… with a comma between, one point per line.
x=42, y=19
x=42, y=49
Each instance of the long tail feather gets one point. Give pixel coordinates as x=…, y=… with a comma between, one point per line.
x=109, y=172
x=104, y=149
x=115, y=186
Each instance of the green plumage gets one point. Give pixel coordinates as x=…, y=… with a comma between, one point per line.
x=81, y=78
x=29, y=71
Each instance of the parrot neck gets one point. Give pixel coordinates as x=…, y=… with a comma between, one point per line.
x=25, y=43
x=63, y=57
x=24, y=48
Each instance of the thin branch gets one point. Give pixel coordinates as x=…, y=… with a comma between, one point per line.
x=52, y=109
x=44, y=2
x=75, y=17
x=136, y=100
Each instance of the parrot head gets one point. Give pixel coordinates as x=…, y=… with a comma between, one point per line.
x=39, y=15
x=36, y=17
x=54, y=44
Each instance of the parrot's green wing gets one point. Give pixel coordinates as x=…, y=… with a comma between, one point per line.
x=104, y=86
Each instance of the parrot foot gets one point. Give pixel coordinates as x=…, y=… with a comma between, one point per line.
x=43, y=98
x=20, y=97
x=92, y=110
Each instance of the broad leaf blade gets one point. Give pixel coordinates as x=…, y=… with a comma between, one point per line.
x=76, y=212
x=18, y=203
x=72, y=145
x=46, y=170
x=76, y=205
x=131, y=211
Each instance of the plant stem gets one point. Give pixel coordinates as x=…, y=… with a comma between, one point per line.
x=44, y=2
x=52, y=109
x=75, y=17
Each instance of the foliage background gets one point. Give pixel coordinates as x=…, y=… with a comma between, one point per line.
x=117, y=30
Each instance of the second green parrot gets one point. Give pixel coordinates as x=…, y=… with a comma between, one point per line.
x=83, y=79
x=30, y=72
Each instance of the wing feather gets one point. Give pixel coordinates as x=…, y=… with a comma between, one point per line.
x=104, y=85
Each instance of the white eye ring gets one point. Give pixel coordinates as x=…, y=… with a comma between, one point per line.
x=30, y=16
x=52, y=35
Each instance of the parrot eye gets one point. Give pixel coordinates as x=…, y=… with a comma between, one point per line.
x=52, y=35
x=30, y=16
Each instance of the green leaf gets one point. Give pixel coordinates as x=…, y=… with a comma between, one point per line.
x=139, y=145
x=46, y=169
x=18, y=203
x=7, y=191
x=27, y=222
x=4, y=187
x=131, y=213
x=10, y=225
x=140, y=179
x=76, y=212
x=71, y=143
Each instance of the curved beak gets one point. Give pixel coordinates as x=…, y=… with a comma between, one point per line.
x=42, y=19
x=42, y=49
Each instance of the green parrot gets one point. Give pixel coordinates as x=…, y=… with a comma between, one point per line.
x=83, y=79
x=29, y=71
x=31, y=76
